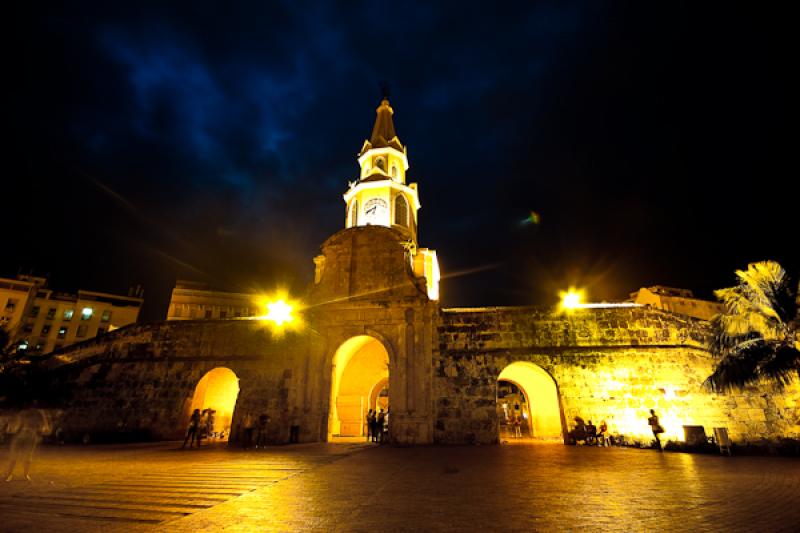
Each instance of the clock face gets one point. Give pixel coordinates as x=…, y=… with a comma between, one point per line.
x=375, y=211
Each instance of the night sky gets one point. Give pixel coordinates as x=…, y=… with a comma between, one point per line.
x=214, y=142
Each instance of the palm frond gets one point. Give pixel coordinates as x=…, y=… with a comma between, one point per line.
x=755, y=334
x=740, y=368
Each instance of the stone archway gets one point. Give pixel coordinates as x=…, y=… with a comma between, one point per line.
x=218, y=389
x=535, y=398
x=360, y=372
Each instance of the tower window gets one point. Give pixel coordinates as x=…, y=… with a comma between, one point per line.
x=401, y=210
x=353, y=216
x=394, y=171
x=380, y=163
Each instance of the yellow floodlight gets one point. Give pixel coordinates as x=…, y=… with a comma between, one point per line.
x=571, y=299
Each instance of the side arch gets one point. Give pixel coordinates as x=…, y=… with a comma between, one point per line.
x=543, y=403
x=217, y=390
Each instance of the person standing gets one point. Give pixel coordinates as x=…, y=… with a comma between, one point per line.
x=370, y=424
x=263, y=425
x=656, y=427
x=202, y=426
x=191, y=432
x=28, y=426
x=294, y=426
x=379, y=425
x=248, y=425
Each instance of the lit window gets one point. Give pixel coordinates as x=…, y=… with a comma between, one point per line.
x=51, y=313
x=23, y=346
x=106, y=316
x=81, y=330
x=401, y=210
x=62, y=332
x=46, y=329
x=35, y=311
x=68, y=314
x=86, y=313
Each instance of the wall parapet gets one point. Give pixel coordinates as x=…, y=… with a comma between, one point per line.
x=512, y=328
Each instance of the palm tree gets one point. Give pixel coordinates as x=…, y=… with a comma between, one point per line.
x=755, y=336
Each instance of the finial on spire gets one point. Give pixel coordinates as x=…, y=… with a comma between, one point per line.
x=385, y=89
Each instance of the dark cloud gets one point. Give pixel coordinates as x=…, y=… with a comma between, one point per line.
x=214, y=141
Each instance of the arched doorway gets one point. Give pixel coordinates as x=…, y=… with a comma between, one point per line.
x=360, y=381
x=217, y=390
x=527, y=391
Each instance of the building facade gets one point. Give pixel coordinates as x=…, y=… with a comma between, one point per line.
x=681, y=301
x=193, y=300
x=41, y=320
x=370, y=334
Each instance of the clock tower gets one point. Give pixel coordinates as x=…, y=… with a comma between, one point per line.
x=381, y=196
x=380, y=205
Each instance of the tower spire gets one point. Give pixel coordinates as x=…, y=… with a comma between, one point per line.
x=383, y=133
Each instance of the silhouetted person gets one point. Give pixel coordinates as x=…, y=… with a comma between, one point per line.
x=591, y=431
x=372, y=426
x=294, y=426
x=379, y=425
x=202, y=427
x=603, y=434
x=517, y=422
x=263, y=425
x=28, y=426
x=191, y=432
x=249, y=426
x=656, y=427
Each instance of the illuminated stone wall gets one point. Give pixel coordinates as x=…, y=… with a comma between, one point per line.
x=142, y=379
x=608, y=364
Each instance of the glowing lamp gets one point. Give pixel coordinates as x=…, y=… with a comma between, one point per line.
x=571, y=299
x=279, y=312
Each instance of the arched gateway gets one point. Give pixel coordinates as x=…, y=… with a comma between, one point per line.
x=360, y=380
x=218, y=389
x=531, y=396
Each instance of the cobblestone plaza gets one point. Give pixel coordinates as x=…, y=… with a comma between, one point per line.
x=357, y=487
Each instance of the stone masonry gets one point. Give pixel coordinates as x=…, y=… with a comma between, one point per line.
x=613, y=364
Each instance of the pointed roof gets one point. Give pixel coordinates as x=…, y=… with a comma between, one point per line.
x=383, y=133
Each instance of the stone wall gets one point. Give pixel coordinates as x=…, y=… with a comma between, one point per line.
x=141, y=379
x=608, y=364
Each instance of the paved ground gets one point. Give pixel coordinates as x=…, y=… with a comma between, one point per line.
x=356, y=487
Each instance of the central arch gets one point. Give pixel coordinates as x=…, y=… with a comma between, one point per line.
x=360, y=381
x=535, y=400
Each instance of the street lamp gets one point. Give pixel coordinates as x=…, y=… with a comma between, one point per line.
x=279, y=312
x=571, y=299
